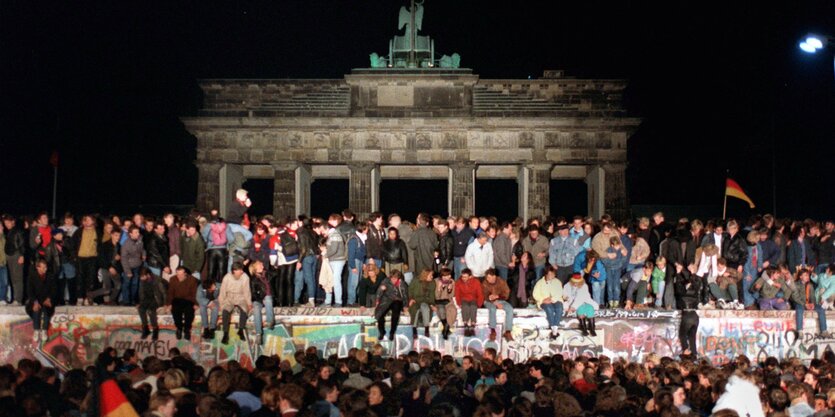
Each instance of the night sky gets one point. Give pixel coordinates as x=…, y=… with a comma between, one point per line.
x=721, y=86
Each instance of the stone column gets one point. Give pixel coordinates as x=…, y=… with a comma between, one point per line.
x=208, y=186
x=304, y=178
x=462, y=189
x=538, y=190
x=596, y=185
x=231, y=179
x=617, y=203
x=360, y=188
x=284, y=189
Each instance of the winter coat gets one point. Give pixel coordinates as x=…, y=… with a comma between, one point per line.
x=15, y=242
x=234, y=292
x=395, y=252
x=40, y=290
x=423, y=243
x=336, y=249
x=446, y=246
x=502, y=250
x=366, y=287
x=388, y=293
x=152, y=293
x=194, y=252
x=800, y=253
x=462, y=240
x=687, y=289
x=260, y=287
x=132, y=252
x=107, y=256
x=577, y=296
x=374, y=243
x=562, y=251
x=735, y=250
x=469, y=290
x=498, y=288
x=422, y=292
x=479, y=259
x=767, y=290
x=356, y=251
x=157, y=251
x=541, y=245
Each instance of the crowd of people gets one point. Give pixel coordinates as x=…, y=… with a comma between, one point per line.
x=418, y=384
x=447, y=267
x=444, y=267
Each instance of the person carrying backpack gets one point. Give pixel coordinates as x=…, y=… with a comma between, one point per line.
x=217, y=235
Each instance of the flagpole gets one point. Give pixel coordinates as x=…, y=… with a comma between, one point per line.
x=54, y=189
x=725, y=205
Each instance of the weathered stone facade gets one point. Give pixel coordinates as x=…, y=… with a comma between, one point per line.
x=530, y=130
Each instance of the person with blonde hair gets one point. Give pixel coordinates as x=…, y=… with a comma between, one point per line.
x=372, y=276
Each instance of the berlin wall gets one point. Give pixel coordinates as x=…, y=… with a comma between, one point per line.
x=78, y=334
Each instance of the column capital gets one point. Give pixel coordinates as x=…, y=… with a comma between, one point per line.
x=361, y=166
x=284, y=165
x=463, y=165
x=539, y=165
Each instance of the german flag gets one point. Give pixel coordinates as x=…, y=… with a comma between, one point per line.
x=734, y=190
x=113, y=401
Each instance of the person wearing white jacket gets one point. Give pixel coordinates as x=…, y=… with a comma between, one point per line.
x=479, y=255
x=741, y=396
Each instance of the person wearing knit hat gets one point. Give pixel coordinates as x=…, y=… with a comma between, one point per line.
x=578, y=299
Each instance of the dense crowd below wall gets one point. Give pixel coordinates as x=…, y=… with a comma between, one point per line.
x=448, y=267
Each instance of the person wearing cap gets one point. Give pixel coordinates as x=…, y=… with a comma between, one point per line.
x=235, y=293
x=548, y=293
x=562, y=251
x=577, y=299
x=479, y=255
x=496, y=294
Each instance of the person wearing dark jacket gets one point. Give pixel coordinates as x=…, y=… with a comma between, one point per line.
x=15, y=254
x=376, y=237
x=688, y=290
x=193, y=248
x=446, y=245
x=462, y=236
x=736, y=251
x=151, y=297
x=85, y=243
x=367, y=289
x=41, y=289
x=158, y=251
x=306, y=266
x=109, y=269
x=60, y=256
x=391, y=294
x=424, y=243
x=261, y=291
x=395, y=253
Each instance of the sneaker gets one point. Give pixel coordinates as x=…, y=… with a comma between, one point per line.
x=36, y=336
x=2, y=303
x=79, y=303
x=554, y=335
x=508, y=336
x=703, y=306
x=721, y=304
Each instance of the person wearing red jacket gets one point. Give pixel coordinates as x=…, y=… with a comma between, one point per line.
x=470, y=296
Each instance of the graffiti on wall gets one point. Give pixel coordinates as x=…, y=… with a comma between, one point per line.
x=76, y=337
x=723, y=335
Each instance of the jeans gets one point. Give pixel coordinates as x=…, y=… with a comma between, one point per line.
x=336, y=268
x=87, y=278
x=508, y=314
x=4, y=284
x=539, y=269
x=203, y=302
x=16, y=273
x=421, y=314
x=772, y=304
x=41, y=318
x=659, y=296
x=354, y=281
x=728, y=294
x=256, y=313
x=457, y=266
x=147, y=313
x=799, y=309
x=748, y=298
x=613, y=285
x=553, y=313
x=503, y=271
x=227, y=319
x=306, y=277
x=597, y=293
x=111, y=286
x=130, y=288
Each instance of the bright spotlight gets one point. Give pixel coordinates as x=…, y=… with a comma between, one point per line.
x=805, y=47
x=814, y=42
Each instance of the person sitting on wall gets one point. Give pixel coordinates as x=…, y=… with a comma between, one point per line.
x=181, y=301
x=578, y=299
x=391, y=294
x=496, y=294
x=548, y=294
x=235, y=294
x=770, y=286
x=421, y=301
x=39, y=307
x=804, y=297
x=151, y=297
